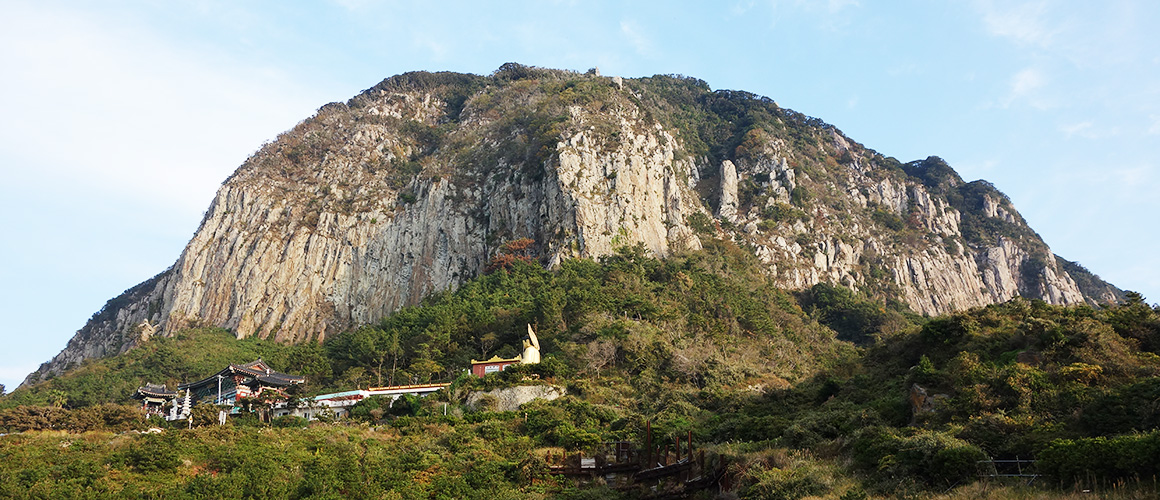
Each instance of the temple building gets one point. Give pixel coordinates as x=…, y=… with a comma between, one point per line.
x=251, y=380
x=530, y=355
x=154, y=398
x=494, y=365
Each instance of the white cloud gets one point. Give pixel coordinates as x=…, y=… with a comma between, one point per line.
x=1024, y=22
x=1088, y=130
x=1124, y=185
x=116, y=108
x=1134, y=178
x=1026, y=81
x=905, y=69
x=1076, y=128
x=435, y=45
x=835, y=6
x=831, y=6
x=353, y=5
x=832, y=15
x=1028, y=86
x=1155, y=128
x=740, y=8
x=1085, y=34
x=638, y=40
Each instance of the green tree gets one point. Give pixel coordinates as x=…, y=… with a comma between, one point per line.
x=58, y=397
x=309, y=359
x=369, y=347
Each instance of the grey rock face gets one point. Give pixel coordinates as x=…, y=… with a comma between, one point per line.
x=512, y=398
x=371, y=205
x=728, y=209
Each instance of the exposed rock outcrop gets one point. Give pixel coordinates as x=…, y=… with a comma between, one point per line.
x=512, y=398
x=728, y=204
x=412, y=186
x=922, y=403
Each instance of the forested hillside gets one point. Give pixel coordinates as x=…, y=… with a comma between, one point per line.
x=824, y=392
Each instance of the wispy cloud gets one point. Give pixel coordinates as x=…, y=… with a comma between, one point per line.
x=434, y=45
x=833, y=15
x=353, y=5
x=1085, y=34
x=1087, y=130
x=639, y=42
x=1133, y=183
x=1155, y=128
x=1081, y=128
x=1024, y=22
x=1135, y=177
x=740, y=8
x=1028, y=86
x=835, y=6
x=160, y=98
x=907, y=69
x=1026, y=81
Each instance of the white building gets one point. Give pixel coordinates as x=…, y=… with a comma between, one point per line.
x=338, y=404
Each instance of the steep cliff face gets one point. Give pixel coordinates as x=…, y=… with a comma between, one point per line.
x=867, y=223
x=413, y=186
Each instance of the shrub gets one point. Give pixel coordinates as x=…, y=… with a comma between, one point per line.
x=888, y=219
x=781, y=212
x=934, y=458
x=289, y=421
x=567, y=422
x=106, y=417
x=151, y=453
x=370, y=409
x=407, y=405
x=789, y=483
x=701, y=223
x=800, y=196
x=32, y=418
x=1102, y=459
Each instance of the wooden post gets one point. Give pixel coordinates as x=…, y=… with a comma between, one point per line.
x=689, y=471
x=648, y=445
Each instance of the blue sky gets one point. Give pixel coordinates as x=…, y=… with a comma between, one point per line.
x=121, y=118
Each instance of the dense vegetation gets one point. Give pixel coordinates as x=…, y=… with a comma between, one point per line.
x=698, y=343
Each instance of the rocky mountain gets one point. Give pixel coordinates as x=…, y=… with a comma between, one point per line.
x=414, y=185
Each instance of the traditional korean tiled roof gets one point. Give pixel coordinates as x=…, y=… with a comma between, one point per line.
x=153, y=390
x=496, y=359
x=280, y=379
x=258, y=369
x=388, y=388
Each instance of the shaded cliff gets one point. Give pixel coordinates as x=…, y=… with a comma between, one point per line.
x=412, y=186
